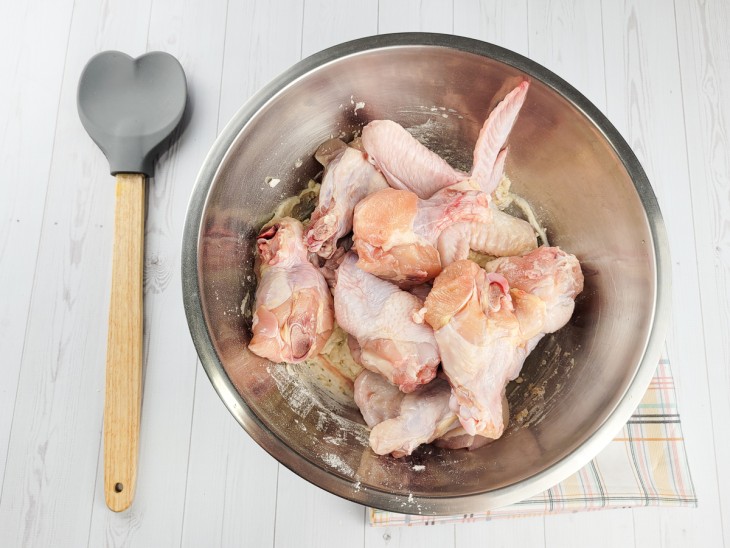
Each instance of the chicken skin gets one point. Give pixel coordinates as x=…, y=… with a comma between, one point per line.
x=396, y=234
x=548, y=273
x=485, y=330
x=408, y=165
x=293, y=311
x=401, y=422
x=348, y=178
x=481, y=339
x=379, y=316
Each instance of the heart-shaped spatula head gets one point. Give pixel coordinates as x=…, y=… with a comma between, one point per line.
x=130, y=106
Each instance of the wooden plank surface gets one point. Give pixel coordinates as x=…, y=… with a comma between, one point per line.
x=645, y=102
x=194, y=33
x=34, y=39
x=661, y=72
x=231, y=482
x=50, y=475
x=704, y=62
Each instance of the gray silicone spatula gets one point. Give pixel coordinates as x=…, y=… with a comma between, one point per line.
x=129, y=107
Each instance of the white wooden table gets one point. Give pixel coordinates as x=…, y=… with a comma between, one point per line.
x=659, y=69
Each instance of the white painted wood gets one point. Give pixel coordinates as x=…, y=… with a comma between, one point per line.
x=410, y=537
x=704, y=59
x=502, y=22
x=255, y=53
x=230, y=498
x=416, y=16
x=231, y=482
x=645, y=102
x=329, y=23
x=33, y=41
x=565, y=36
x=663, y=78
x=309, y=516
x=499, y=533
x=193, y=31
x=54, y=447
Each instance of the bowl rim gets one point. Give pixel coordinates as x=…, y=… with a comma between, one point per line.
x=349, y=489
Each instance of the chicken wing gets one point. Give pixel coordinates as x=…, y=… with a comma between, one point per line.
x=408, y=165
x=503, y=236
x=481, y=340
x=293, y=311
x=377, y=399
x=423, y=416
x=548, y=273
x=348, y=178
x=396, y=234
x=379, y=315
x=485, y=330
x=487, y=164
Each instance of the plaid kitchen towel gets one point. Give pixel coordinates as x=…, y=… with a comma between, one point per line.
x=645, y=465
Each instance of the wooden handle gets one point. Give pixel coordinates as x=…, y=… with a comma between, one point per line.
x=124, y=345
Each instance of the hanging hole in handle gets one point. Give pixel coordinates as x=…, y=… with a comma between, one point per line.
x=118, y=488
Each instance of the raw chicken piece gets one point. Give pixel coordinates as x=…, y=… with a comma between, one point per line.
x=486, y=330
x=408, y=165
x=548, y=273
x=504, y=236
x=493, y=137
x=377, y=399
x=482, y=342
x=329, y=267
x=424, y=415
x=380, y=316
x=293, y=312
x=348, y=178
x=408, y=425
x=396, y=234
x=457, y=437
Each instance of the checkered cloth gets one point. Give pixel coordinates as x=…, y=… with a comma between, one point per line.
x=645, y=465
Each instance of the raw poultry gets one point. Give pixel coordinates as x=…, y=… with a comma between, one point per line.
x=414, y=220
x=293, y=312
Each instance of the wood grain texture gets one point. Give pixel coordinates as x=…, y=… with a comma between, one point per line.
x=55, y=445
x=34, y=38
x=665, y=71
x=704, y=58
x=308, y=516
x=410, y=537
x=644, y=100
x=566, y=37
x=123, y=398
x=416, y=16
x=193, y=31
x=501, y=22
x=327, y=23
x=502, y=533
x=226, y=467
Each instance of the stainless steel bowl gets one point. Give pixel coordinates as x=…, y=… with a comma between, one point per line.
x=581, y=385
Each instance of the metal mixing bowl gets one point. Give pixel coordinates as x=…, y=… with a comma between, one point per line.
x=581, y=385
